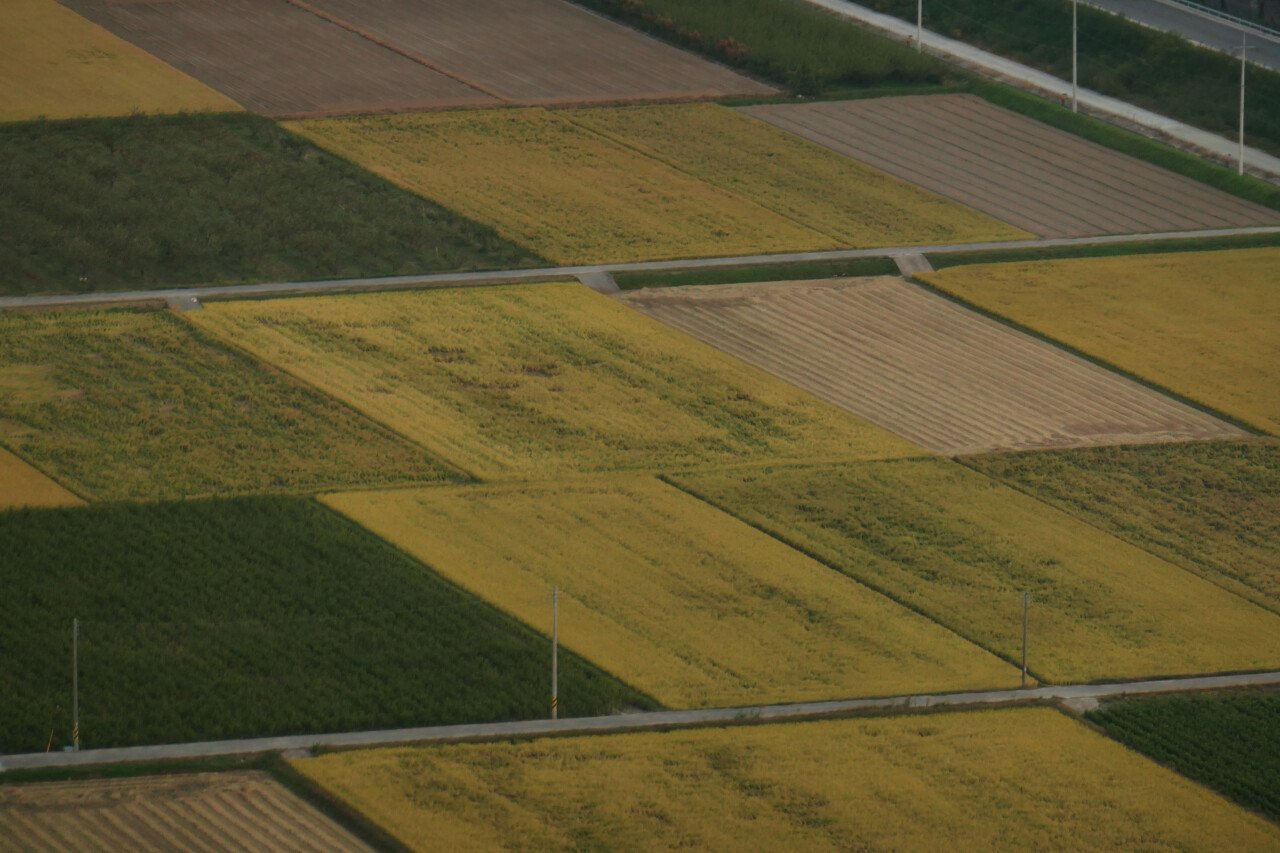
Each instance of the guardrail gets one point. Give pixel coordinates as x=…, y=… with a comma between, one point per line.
x=1243, y=24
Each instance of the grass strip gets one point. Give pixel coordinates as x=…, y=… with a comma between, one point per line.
x=1103, y=250
x=762, y=272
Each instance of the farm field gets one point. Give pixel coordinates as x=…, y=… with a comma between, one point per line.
x=205, y=620
x=124, y=404
x=90, y=205
x=1018, y=779
x=186, y=811
x=1022, y=172
x=540, y=380
x=21, y=485
x=610, y=185
x=277, y=59
x=56, y=65
x=1226, y=741
x=924, y=368
x=1206, y=324
x=681, y=601
x=1213, y=508
x=962, y=548
x=539, y=51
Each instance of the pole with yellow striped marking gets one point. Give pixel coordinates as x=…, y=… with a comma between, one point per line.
x=555, y=652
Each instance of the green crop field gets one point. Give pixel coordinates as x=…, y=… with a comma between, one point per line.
x=1227, y=741
x=254, y=616
x=139, y=405
x=962, y=548
x=1213, y=508
x=145, y=202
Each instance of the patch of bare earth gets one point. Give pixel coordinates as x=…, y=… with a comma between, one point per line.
x=924, y=367
x=1018, y=170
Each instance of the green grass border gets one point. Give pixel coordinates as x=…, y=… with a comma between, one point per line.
x=943, y=260
x=798, y=270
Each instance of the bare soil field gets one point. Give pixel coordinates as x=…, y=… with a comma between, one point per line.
x=923, y=367
x=208, y=811
x=277, y=59
x=538, y=51
x=1018, y=170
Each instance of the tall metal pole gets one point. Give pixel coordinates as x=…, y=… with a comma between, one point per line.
x=555, y=652
x=75, y=684
x=919, y=25
x=1075, y=56
x=1244, y=49
x=1026, y=608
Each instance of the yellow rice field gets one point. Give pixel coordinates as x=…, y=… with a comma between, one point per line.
x=1204, y=324
x=55, y=64
x=538, y=380
x=1016, y=779
x=962, y=548
x=24, y=486
x=677, y=599
x=549, y=181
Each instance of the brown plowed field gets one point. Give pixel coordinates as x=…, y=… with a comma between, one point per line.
x=1018, y=170
x=208, y=811
x=277, y=59
x=539, y=51
x=923, y=367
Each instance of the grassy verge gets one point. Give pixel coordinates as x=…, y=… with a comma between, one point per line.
x=254, y=617
x=764, y=272
x=1105, y=250
x=1226, y=740
x=91, y=205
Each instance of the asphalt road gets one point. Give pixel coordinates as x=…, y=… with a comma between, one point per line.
x=1201, y=29
x=1076, y=696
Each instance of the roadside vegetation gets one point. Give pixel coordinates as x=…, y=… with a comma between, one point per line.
x=1205, y=325
x=751, y=275
x=1212, y=508
x=540, y=381
x=1226, y=741
x=147, y=202
x=251, y=617
x=687, y=604
x=1027, y=778
x=138, y=405
x=961, y=548
x=1104, y=250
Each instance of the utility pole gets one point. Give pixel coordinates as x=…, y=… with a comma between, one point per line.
x=1244, y=50
x=555, y=652
x=1026, y=608
x=1075, y=56
x=919, y=26
x=75, y=684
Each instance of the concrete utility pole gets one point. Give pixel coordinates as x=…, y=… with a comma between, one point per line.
x=555, y=652
x=75, y=684
x=919, y=26
x=1244, y=51
x=1026, y=609
x=1075, y=56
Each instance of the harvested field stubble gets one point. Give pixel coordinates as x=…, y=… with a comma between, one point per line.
x=1018, y=170
x=979, y=780
x=55, y=64
x=962, y=548
x=166, y=813
x=138, y=405
x=540, y=380
x=925, y=368
x=21, y=485
x=682, y=601
x=1204, y=324
x=1213, y=508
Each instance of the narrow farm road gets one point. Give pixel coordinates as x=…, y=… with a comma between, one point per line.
x=1075, y=695
x=594, y=273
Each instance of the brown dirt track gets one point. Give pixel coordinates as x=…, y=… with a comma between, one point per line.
x=209, y=811
x=276, y=59
x=1016, y=169
x=923, y=367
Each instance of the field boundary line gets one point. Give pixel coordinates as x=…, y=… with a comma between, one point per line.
x=484, y=278
x=648, y=720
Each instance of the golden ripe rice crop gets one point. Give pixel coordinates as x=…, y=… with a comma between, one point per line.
x=21, y=485
x=1204, y=324
x=962, y=548
x=679, y=600
x=1017, y=779
x=541, y=379
x=660, y=184
x=55, y=64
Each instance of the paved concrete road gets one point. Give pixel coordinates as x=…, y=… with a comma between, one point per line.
x=1077, y=696
x=190, y=297
x=1201, y=28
